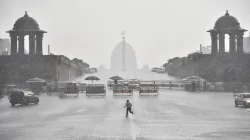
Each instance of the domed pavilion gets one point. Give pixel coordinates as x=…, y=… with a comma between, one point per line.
x=26, y=25
x=227, y=24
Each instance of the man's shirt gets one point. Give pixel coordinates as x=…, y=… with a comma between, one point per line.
x=128, y=104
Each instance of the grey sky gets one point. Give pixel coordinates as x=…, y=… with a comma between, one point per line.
x=157, y=29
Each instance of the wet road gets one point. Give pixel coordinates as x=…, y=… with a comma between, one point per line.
x=172, y=115
x=176, y=115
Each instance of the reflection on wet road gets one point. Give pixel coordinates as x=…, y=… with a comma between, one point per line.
x=172, y=115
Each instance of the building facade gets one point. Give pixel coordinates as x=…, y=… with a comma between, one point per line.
x=56, y=68
x=18, y=67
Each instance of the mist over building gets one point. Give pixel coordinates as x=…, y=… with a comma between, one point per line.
x=4, y=46
x=205, y=49
x=123, y=57
x=246, y=45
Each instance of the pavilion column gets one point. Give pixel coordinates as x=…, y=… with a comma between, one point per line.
x=232, y=43
x=31, y=44
x=214, y=42
x=222, y=42
x=240, y=42
x=21, y=44
x=13, y=39
x=39, y=42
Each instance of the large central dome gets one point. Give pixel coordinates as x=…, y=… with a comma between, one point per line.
x=123, y=57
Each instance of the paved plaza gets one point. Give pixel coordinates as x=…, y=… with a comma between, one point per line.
x=171, y=115
x=174, y=114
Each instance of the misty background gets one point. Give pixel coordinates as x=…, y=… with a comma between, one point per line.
x=156, y=29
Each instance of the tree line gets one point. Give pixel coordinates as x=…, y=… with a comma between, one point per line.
x=222, y=67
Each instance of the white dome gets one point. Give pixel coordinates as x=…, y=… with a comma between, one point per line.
x=117, y=57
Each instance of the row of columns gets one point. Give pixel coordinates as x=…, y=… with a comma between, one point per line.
x=235, y=42
x=35, y=40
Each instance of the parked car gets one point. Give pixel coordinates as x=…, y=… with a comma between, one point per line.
x=22, y=97
x=242, y=99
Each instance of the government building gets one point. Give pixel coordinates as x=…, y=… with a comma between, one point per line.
x=123, y=57
x=18, y=66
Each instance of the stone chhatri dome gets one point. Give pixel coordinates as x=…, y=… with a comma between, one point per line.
x=26, y=23
x=227, y=22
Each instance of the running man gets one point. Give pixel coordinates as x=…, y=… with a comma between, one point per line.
x=129, y=108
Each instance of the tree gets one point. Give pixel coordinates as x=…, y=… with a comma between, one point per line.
x=194, y=56
x=173, y=60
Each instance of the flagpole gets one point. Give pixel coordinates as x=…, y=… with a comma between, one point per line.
x=123, y=51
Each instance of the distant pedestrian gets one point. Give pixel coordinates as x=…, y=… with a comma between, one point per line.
x=129, y=108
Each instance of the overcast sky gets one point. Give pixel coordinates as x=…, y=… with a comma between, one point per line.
x=157, y=29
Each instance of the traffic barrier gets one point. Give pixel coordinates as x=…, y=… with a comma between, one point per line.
x=96, y=90
x=121, y=90
x=148, y=88
x=82, y=87
x=134, y=85
x=110, y=85
x=149, y=91
x=164, y=84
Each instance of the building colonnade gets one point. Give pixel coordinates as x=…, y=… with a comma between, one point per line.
x=235, y=42
x=35, y=43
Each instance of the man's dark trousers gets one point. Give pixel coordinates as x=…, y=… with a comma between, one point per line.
x=128, y=110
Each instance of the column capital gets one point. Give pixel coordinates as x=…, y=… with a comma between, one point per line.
x=213, y=34
x=20, y=34
x=20, y=37
x=39, y=34
x=232, y=35
x=222, y=34
x=240, y=34
x=32, y=34
x=13, y=34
